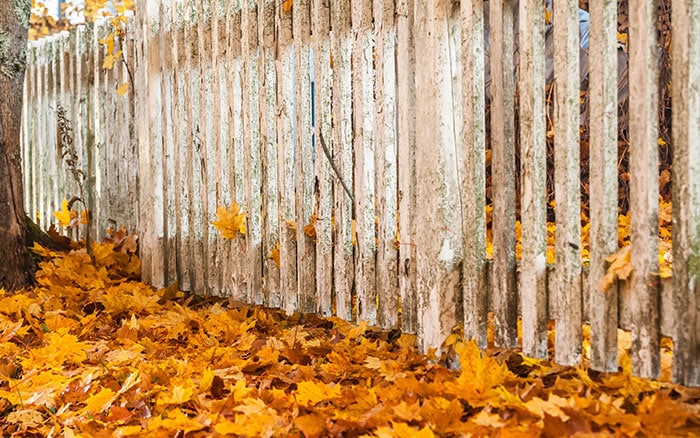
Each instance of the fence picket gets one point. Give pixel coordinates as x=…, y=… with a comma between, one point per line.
x=268, y=135
x=686, y=191
x=473, y=184
x=644, y=187
x=323, y=86
x=101, y=151
x=603, y=182
x=505, y=294
x=386, y=166
x=533, y=175
x=341, y=152
x=285, y=160
x=439, y=253
x=306, y=253
x=363, y=146
x=406, y=142
x=567, y=281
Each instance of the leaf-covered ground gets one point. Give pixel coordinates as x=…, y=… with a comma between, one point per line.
x=91, y=352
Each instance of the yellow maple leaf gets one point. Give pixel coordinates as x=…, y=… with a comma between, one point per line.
x=231, y=221
x=311, y=393
x=123, y=88
x=99, y=402
x=65, y=216
x=110, y=59
x=619, y=265
x=287, y=5
x=481, y=375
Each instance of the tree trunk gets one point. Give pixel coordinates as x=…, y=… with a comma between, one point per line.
x=16, y=267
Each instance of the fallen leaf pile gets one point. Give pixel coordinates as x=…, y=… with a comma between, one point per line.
x=89, y=352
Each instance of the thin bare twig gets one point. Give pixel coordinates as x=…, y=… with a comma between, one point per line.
x=335, y=168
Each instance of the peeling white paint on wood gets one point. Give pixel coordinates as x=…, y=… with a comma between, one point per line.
x=363, y=146
x=285, y=161
x=324, y=174
x=268, y=133
x=304, y=171
x=406, y=142
x=386, y=172
x=343, y=266
x=439, y=252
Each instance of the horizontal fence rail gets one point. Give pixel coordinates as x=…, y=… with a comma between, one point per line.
x=363, y=140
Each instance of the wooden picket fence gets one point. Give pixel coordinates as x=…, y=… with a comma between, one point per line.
x=228, y=101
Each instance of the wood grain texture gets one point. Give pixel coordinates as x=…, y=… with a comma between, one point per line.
x=406, y=142
x=285, y=161
x=341, y=106
x=385, y=165
x=644, y=187
x=533, y=176
x=504, y=300
x=304, y=171
x=472, y=172
x=363, y=79
x=323, y=196
x=567, y=289
x=686, y=192
x=602, y=91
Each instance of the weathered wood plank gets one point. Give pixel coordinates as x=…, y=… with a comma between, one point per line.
x=211, y=129
x=180, y=138
x=186, y=150
x=33, y=74
x=505, y=294
x=386, y=166
x=406, y=142
x=237, y=169
x=602, y=91
x=304, y=181
x=101, y=144
x=439, y=246
x=251, y=144
x=202, y=116
x=343, y=266
x=26, y=140
x=285, y=161
x=83, y=125
x=533, y=175
x=223, y=132
x=644, y=188
x=168, y=115
x=55, y=164
x=567, y=293
x=323, y=82
x=195, y=86
x=686, y=191
x=472, y=172
x=42, y=198
x=363, y=150
x=268, y=135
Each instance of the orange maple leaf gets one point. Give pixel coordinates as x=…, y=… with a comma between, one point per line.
x=231, y=221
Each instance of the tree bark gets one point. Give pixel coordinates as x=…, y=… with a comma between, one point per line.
x=16, y=269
